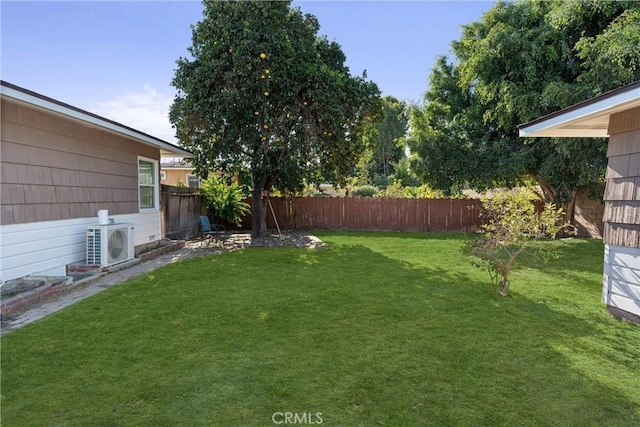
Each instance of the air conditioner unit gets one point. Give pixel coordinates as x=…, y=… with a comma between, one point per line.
x=110, y=244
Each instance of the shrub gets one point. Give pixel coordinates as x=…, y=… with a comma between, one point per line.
x=381, y=181
x=365, y=191
x=225, y=199
x=426, y=192
x=512, y=225
x=396, y=190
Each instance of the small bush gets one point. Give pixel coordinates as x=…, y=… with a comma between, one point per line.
x=426, y=192
x=395, y=190
x=365, y=191
x=225, y=199
x=512, y=225
x=381, y=181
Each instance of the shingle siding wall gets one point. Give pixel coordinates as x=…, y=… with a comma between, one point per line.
x=621, y=280
x=56, y=168
x=622, y=193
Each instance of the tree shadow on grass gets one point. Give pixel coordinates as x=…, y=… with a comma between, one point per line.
x=477, y=347
x=571, y=254
x=409, y=235
x=570, y=259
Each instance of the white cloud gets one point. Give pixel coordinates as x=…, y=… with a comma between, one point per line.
x=146, y=111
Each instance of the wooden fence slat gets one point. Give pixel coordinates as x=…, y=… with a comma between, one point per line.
x=181, y=208
x=362, y=213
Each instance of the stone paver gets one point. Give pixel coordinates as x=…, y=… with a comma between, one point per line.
x=193, y=249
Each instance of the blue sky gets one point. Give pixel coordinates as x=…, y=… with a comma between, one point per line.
x=117, y=58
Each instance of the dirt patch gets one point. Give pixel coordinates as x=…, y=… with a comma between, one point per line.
x=239, y=240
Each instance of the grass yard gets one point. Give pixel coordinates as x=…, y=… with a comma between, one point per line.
x=393, y=329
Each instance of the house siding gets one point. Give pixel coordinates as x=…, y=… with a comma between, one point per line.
x=57, y=168
x=622, y=192
x=173, y=175
x=45, y=248
x=56, y=173
x=621, y=279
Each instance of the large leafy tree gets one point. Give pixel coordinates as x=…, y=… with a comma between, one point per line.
x=523, y=60
x=387, y=141
x=263, y=94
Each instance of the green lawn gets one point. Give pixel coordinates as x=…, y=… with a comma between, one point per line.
x=393, y=329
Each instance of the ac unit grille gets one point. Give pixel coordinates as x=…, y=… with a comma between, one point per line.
x=94, y=246
x=109, y=244
x=116, y=245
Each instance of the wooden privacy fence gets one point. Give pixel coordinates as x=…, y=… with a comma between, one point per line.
x=366, y=213
x=181, y=208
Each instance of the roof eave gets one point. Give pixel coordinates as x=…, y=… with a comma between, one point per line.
x=586, y=119
x=563, y=133
x=15, y=92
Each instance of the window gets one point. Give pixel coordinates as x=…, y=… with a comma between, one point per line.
x=193, y=181
x=148, y=183
x=163, y=175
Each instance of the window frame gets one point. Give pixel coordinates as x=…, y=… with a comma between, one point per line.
x=156, y=185
x=191, y=175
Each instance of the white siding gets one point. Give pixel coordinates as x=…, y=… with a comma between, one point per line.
x=45, y=248
x=148, y=226
x=621, y=280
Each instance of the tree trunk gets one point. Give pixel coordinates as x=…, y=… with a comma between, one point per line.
x=257, y=212
x=503, y=286
x=265, y=213
x=548, y=193
x=570, y=214
x=261, y=187
x=548, y=196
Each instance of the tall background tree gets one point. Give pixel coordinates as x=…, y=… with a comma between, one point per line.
x=523, y=60
x=385, y=141
x=263, y=94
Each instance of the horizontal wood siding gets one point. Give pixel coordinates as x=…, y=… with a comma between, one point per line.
x=621, y=280
x=45, y=248
x=148, y=226
x=42, y=248
x=57, y=168
x=622, y=192
x=625, y=121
